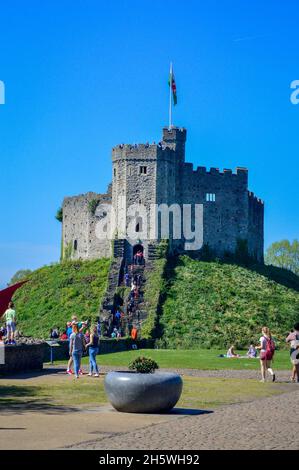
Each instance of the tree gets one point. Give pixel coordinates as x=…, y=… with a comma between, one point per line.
x=20, y=275
x=284, y=254
x=59, y=215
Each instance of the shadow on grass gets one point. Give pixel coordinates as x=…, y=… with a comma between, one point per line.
x=34, y=373
x=19, y=400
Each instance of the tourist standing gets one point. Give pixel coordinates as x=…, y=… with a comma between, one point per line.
x=267, y=349
x=127, y=280
x=293, y=339
x=10, y=319
x=93, y=351
x=81, y=326
x=77, y=346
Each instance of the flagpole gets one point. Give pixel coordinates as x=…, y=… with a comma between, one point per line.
x=170, y=97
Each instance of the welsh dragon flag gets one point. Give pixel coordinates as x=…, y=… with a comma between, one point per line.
x=172, y=84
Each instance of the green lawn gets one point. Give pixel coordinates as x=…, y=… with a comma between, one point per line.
x=55, y=293
x=64, y=393
x=204, y=359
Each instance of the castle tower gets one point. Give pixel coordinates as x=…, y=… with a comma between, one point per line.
x=145, y=175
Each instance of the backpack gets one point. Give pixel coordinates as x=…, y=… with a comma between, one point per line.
x=270, y=348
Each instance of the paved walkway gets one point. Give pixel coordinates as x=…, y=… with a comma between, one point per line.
x=269, y=423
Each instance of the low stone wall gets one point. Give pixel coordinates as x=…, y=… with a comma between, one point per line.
x=107, y=346
x=23, y=357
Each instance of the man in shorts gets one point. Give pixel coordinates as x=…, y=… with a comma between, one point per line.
x=10, y=319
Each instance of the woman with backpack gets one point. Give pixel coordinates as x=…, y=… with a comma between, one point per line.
x=267, y=348
x=293, y=339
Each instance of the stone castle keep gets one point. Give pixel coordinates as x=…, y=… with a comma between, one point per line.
x=149, y=173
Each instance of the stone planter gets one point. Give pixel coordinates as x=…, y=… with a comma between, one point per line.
x=131, y=392
x=22, y=358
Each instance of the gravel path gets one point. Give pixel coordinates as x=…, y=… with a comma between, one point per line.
x=281, y=375
x=269, y=423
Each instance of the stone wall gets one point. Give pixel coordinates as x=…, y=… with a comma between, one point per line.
x=23, y=357
x=78, y=227
x=256, y=227
x=107, y=346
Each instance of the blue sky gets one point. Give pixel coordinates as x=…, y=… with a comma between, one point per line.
x=82, y=76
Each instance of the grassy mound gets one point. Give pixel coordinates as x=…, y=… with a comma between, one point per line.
x=57, y=292
x=212, y=304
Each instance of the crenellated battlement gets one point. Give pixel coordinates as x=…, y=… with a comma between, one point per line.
x=254, y=198
x=202, y=170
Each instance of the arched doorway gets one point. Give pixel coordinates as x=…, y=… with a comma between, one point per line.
x=137, y=248
x=138, y=254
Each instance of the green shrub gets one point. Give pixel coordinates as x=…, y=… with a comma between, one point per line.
x=59, y=214
x=92, y=206
x=143, y=365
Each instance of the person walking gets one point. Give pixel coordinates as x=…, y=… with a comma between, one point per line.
x=77, y=346
x=93, y=351
x=10, y=319
x=267, y=349
x=293, y=339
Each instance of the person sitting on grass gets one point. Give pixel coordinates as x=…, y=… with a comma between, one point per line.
x=231, y=352
x=293, y=339
x=252, y=352
x=93, y=345
x=77, y=347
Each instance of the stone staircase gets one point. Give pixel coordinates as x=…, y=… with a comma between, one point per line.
x=111, y=301
x=138, y=314
x=119, y=248
x=115, y=276
x=152, y=252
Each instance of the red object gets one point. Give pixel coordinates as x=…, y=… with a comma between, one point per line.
x=134, y=334
x=6, y=296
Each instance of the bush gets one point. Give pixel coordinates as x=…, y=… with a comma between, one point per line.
x=59, y=214
x=92, y=206
x=143, y=365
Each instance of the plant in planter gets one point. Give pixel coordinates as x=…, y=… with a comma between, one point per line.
x=143, y=365
x=142, y=390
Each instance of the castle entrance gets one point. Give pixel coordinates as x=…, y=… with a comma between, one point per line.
x=138, y=256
